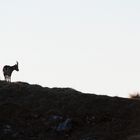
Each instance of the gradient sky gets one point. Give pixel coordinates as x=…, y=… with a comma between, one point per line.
x=89, y=45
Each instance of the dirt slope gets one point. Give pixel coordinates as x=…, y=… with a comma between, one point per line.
x=32, y=112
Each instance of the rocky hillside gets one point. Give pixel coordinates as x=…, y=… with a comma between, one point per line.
x=32, y=112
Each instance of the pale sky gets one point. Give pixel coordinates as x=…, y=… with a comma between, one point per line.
x=90, y=45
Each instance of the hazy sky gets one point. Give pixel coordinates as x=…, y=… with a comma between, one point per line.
x=89, y=45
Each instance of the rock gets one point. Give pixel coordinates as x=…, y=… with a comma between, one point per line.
x=55, y=117
x=66, y=125
x=7, y=129
x=60, y=124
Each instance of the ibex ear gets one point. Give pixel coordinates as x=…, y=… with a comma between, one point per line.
x=17, y=62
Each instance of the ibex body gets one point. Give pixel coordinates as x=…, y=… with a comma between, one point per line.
x=7, y=71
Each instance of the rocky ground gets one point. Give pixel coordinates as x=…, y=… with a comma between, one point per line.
x=32, y=112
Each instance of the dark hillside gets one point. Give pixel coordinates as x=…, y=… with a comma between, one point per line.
x=32, y=112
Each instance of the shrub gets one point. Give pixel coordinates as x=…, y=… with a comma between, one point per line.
x=135, y=95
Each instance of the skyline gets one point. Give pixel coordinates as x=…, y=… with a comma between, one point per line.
x=91, y=46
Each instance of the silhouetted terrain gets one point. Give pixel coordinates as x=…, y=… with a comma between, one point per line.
x=32, y=112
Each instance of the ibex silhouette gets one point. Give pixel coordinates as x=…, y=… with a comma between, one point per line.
x=7, y=71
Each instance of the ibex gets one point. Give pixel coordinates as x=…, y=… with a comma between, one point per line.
x=7, y=71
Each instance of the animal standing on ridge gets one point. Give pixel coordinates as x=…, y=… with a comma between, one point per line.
x=7, y=71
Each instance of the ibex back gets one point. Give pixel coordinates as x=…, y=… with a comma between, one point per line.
x=7, y=71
